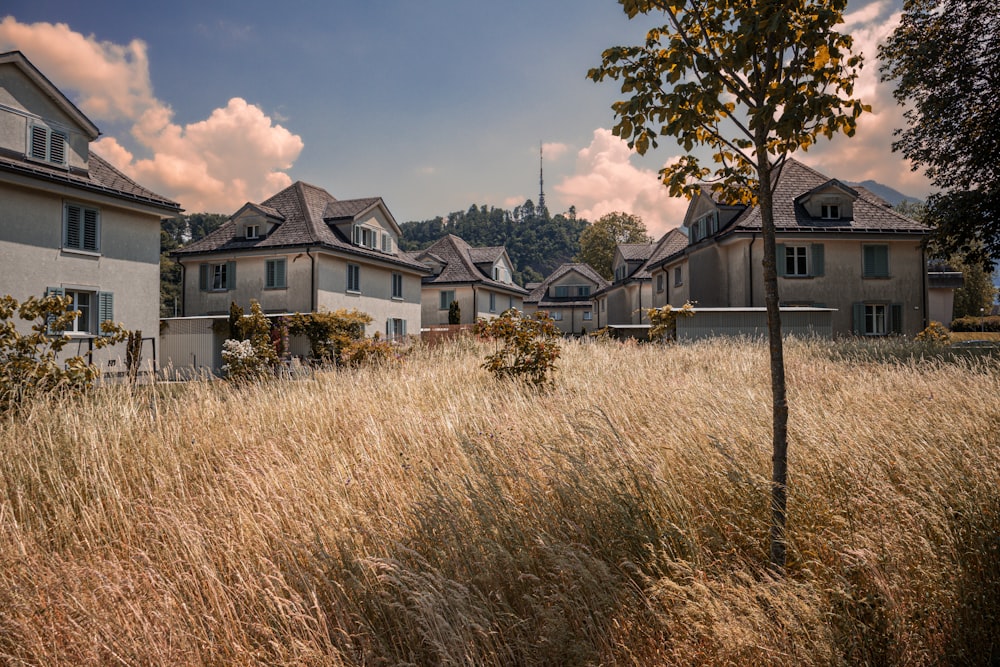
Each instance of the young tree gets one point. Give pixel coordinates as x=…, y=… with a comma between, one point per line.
x=598, y=241
x=753, y=81
x=945, y=61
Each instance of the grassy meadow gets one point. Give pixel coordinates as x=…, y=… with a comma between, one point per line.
x=425, y=514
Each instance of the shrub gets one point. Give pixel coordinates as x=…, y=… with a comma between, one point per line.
x=454, y=313
x=30, y=363
x=249, y=353
x=527, y=347
x=663, y=321
x=329, y=333
x=369, y=351
x=935, y=334
x=989, y=323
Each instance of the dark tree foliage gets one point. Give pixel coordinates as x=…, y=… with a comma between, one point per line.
x=945, y=59
x=536, y=241
x=174, y=233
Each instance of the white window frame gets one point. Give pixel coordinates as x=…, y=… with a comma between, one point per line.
x=395, y=328
x=876, y=322
x=556, y=315
x=829, y=211
x=354, y=278
x=81, y=228
x=52, y=151
x=276, y=274
x=588, y=316
x=82, y=324
x=798, y=255
x=678, y=276
x=252, y=232
x=397, y=286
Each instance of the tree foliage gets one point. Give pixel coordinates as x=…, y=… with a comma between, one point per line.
x=945, y=61
x=598, y=240
x=174, y=233
x=751, y=81
x=527, y=347
x=329, y=333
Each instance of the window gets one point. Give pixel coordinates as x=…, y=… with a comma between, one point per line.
x=603, y=301
x=556, y=315
x=678, y=277
x=47, y=145
x=493, y=302
x=659, y=282
x=704, y=226
x=795, y=259
x=275, y=274
x=587, y=316
x=93, y=308
x=353, y=278
x=397, y=286
x=830, y=211
x=562, y=291
x=253, y=231
x=875, y=261
x=621, y=271
x=386, y=243
x=583, y=290
x=366, y=237
x=395, y=328
x=447, y=296
x=217, y=277
x=878, y=319
x=81, y=228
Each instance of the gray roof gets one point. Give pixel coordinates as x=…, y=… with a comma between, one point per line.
x=539, y=291
x=795, y=180
x=632, y=252
x=306, y=212
x=459, y=266
x=100, y=178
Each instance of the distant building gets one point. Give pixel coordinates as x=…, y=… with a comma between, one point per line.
x=567, y=296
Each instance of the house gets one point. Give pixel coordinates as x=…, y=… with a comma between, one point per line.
x=566, y=296
x=838, y=248
x=624, y=302
x=70, y=223
x=479, y=279
x=303, y=250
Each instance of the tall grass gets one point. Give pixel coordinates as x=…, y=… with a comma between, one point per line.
x=426, y=514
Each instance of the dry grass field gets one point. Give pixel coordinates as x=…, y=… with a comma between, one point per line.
x=425, y=514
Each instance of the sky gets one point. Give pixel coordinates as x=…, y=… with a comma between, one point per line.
x=432, y=105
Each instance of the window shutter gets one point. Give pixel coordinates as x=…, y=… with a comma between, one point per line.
x=404, y=327
x=817, y=267
x=876, y=261
x=105, y=309
x=279, y=273
x=90, y=222
x=74, y=217
x=39, y=140
x=203, y=276
x=57, y=148
x=781, y=258
x=388, y=328
x=896, y=318
x=50, y=320
x=230, y=276
x=859, y=319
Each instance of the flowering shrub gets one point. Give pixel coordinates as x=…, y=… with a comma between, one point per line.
x=663, y=321
x=250, y=355
x=526, y=347
x=30, y=364
x=329, y=333
x=935, y=333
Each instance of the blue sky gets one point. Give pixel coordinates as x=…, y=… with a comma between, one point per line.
x=432, y=105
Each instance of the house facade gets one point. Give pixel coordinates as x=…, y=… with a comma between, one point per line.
x=70, y=223
x=624, y=302
x=479, y=279
x=838, y=247
x=566, y=295
x=303, y=250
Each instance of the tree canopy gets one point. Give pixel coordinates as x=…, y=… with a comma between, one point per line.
x=751, y=81
x=945, y=60
x=598, y=241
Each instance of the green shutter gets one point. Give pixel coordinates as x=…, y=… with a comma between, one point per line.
x=859, y=319
x=90, y=227
x=204, y=277
x=404, y=327
x=896, y=318
x=817, y=267
x=230, y=276
x=781, y=259
x=72, y=227
x=876, y=261
x=269, y=273
x=50, y=319
x=280, y=273
x=105, y=309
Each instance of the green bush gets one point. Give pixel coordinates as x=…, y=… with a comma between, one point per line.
x=663, y=321
x=30, y=363
x=249, y=354
x=527, y=347
x=454, y=313
x=370, y=351
x=988, y=323
x=329, y=333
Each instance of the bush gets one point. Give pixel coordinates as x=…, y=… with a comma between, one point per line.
x=935, y=334
x=249, y=355
x=663, y=321
x=369, y=351
x=329, y=333
x=30, y=364
x=988, y=323
x=454, y=313
x=527, y=348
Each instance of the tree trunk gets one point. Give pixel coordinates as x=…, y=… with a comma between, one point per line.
x=779, y=403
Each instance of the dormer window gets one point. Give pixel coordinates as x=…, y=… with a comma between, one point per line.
x=705, y=226
x=366, y=237
x=253, y=231
x=47, y=145
x=830, y=211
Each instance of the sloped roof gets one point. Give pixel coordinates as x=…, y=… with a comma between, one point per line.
x=459, y=266
x=305, y=210
x=796, y=179
x=19, y=60
x=632, y=252
x=540, y=290
x=486, y=254
x=100, y=177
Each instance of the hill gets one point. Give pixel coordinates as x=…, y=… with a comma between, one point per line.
x=891, y=195
x=536, y=241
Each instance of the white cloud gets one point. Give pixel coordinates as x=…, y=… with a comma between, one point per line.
x=237, y=154
x=554, y=150
x=606, y=181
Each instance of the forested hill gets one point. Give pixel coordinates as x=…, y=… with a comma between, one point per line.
x=536, y=242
